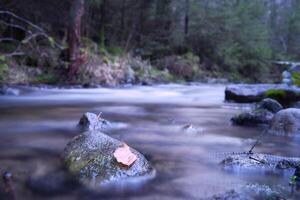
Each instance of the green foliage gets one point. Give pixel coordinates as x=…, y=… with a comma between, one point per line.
x=3, y=67
x=89, y=44
x=46, y=79
x=105, y=59
x=163, y=75
x=293, y=180
x=115, y=50
x=232, y=38
x=51, y=41
x=102, y=40
x=191, y=57
x=234, y=35
x=295, y=78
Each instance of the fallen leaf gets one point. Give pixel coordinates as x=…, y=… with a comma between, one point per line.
x=124, y=156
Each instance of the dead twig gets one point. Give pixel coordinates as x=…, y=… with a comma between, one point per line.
x=258, y=140
x=260, y=161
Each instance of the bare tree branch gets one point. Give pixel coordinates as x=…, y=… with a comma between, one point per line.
x=14, y=26
x=5, y=12
x=40, y=31
x=8, y=39
x=18, y=53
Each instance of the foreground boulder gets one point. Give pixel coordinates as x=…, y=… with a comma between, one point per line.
x=90, y=156
x=261, y=114
x=257, y=160
x=247, y=93
x=286, y=122
x=90, y=121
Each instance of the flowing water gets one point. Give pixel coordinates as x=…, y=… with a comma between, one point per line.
x=35, y=127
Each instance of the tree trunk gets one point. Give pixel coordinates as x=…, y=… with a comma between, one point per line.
x=186, y=18
x=102, y=24
x=76, y=12
x=123, y=7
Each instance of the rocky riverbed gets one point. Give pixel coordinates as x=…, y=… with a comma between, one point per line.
x=183, y=131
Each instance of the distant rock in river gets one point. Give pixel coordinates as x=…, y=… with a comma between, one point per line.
x=90, y=121
x=247, y=93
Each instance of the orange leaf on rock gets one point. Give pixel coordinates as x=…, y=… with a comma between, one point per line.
x=124, y=156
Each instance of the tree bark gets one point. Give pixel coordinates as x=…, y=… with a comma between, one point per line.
x=76, y=12
x=186, y=18
x=102, y=25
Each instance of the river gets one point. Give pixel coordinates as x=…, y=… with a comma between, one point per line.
x=35, y=127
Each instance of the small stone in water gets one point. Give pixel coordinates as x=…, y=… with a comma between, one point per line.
x=191, y=130
x=124, y=156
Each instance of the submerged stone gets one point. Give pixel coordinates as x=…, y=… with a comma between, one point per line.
x=90, y=156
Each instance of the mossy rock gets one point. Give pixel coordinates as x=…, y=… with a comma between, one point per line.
x=89, y=156
x=284, y=96
x=276, y=93
x=254, y=117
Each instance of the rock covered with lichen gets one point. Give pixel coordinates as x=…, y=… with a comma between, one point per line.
x=258, y=160
x=90, y=157
x=261, y=114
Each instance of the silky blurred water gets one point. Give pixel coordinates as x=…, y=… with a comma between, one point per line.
x=35, y=127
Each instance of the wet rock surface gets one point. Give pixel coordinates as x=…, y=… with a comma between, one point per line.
x=90, y=156
x=263, y=161
x=229, y=195
x=90, y=121
x=189, y=129
x=250, y=192
x=261, y=114
x=247, y=93
x=270, y=104
x=286, y=122
x=254, y=117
